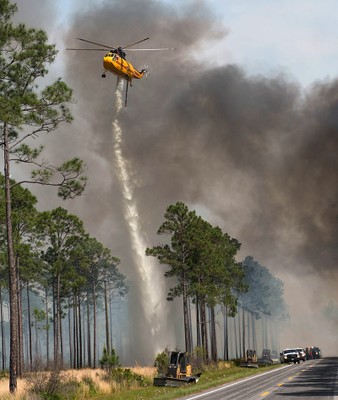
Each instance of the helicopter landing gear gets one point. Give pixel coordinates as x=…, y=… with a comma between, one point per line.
x=103, y=74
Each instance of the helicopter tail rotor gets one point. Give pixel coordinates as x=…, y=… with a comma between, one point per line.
x=145, y=71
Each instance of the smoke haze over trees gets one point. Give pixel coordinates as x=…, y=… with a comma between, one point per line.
x=66, y=280
x=256, y=155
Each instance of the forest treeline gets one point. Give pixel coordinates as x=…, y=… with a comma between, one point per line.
x=203, y=260
x=72, y=274
x=66, y=278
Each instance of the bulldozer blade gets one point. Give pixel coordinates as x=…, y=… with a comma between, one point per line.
x=173, y=382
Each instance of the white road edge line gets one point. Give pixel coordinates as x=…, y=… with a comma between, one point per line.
x=234, y=384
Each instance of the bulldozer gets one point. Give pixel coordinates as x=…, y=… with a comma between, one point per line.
x=250, y=360
x=179, y=371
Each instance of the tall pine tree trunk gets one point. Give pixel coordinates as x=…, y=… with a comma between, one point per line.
x=236, y=341
x=94, y=327
x=190, y=324
x=3, y=339
x=198, y=323
x=239, y=334
x=213, y=341
x=61, y=338
x=204, y=330
x=80, y=333
x=70, y=335
x=243, y=333
x=187, y=336
x=12, y=275
x=20, y=327
x=30, y=352
x=110, y=301
x=89, y=349
x=47, y=327
x=226, y=334
x=248, y=317
x=75, y=334
x=84, y=338
x=57, y=326
x=106, y=318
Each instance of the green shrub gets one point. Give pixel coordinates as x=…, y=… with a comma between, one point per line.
x=109, y=361
x=124, y=378
x=162, y=361
x=53, y=386
x=197, y=359
x=92, y=387
x=4, y=374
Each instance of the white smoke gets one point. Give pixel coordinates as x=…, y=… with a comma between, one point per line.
x=152, y=293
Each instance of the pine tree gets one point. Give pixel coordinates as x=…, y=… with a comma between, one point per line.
x=26, y=112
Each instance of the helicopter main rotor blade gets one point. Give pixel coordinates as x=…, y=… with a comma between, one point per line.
x=163, y=48
x=133, y=44
x=98, y=44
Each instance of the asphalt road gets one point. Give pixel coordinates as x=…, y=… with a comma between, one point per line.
x=313, y=379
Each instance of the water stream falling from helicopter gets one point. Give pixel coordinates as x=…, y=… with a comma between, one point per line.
x=146, y=269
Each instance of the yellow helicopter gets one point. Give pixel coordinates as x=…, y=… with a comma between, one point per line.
x=115, y=60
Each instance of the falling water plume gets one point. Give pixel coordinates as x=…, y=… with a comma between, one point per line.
x=151, y=295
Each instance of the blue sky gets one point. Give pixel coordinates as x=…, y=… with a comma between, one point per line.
x=297, y=37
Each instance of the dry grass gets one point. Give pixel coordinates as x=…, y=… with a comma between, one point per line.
x=224, y=365
x=95, y=374
x=148, y=372
x=4, y=389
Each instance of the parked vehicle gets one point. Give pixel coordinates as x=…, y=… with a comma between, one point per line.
x=266, y=357
x=290, y=355
x=312, y=352
x=316, y=352
x=274, y=357
x=302, y=353
x=250, y=360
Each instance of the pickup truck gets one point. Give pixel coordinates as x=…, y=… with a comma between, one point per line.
x=289, y=356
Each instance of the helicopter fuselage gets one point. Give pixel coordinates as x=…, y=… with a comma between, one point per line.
x=119, y=66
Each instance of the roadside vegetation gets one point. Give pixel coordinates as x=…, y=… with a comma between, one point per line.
x=211, y=377
x=121, y=383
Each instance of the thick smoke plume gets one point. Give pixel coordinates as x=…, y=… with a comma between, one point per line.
x=256, y=155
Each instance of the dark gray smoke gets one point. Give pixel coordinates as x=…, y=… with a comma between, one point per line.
x=256, y=155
